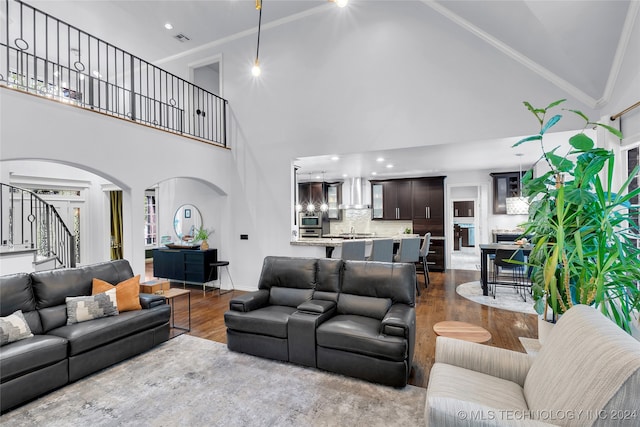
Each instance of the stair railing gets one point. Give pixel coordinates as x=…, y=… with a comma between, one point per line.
x=28, y=222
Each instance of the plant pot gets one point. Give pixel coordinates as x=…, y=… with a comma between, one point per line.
x=204, y=245
x=545, y=326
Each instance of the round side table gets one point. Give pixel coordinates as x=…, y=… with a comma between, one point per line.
x=462, y=331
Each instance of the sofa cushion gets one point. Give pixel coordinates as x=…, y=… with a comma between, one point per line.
x=396, y=281
x=82, y=309
x=289, y=296
x=453, y=390
x=14, y=328
x=22, y=357
x=95, y=333
x=358, y=334
x=590, y=356
x=16, y=294
x=328, y=279
x=286, y=272
x=363, y=306
x=127, y=292
x=270, y=320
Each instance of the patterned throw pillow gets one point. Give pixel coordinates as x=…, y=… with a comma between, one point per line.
x=81, y=309
x=13, y=328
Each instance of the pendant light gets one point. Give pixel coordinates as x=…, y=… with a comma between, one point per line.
x=255, y=70
x=518, y=205
x=324, y=206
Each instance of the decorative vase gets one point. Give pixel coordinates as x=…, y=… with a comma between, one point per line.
x=204, y=245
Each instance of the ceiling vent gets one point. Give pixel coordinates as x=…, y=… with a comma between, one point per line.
x=181, y=38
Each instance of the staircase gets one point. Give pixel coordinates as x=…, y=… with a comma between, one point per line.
x=29, y=224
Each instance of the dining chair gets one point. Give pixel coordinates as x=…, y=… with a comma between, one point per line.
x=508, y=259
x=424, y=252
x=381, y=250
x=352, y=250
x=409, y=251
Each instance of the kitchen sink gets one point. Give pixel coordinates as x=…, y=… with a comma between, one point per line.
x=355, y=235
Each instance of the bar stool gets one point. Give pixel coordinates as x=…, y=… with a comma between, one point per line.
x=217, y=266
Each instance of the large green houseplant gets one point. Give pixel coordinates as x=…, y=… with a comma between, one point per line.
x=584, y=249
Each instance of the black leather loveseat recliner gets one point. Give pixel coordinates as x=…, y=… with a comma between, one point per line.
x=58, y=353
x=356, y=318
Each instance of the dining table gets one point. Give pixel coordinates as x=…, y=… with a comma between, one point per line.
x=488, y=249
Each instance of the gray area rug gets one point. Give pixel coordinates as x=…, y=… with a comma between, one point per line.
x=190, y=381
x=506, y=298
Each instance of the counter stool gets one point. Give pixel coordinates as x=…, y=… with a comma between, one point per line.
x=217, y=265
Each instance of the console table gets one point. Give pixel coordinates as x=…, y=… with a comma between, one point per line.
x=185, y=265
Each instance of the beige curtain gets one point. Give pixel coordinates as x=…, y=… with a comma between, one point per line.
x=116, y=224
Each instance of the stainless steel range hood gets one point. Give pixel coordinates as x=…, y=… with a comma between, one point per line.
x=357, y=192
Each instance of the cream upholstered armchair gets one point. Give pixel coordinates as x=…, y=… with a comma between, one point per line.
x=586, y=374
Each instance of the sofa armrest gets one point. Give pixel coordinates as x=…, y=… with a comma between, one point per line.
x=399, y=320
x=250, y=301
x=498, y=362
x=151, y=300
x=316, y=306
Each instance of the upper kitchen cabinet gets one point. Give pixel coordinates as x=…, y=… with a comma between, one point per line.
x=428, y=205
x=463, y=209
x=316, y=193
x=391, y=199
x=505, y=184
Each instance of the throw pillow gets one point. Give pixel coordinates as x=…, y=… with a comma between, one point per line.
x=14, y=328
x=81, y=309
x=127, y=292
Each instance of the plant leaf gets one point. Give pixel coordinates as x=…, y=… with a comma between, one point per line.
x=560, y=163
x=581, y=142
x=581, y=114
x=550, y=123
x=529, y=138
x=613, y=130
x=579, y=196
x=553, y=104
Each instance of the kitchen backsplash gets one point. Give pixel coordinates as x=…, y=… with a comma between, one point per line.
x=360, y=220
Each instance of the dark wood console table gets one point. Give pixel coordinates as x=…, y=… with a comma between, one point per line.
x=185, y=265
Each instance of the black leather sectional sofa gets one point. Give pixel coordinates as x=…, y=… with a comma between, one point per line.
x=59, y=353
x=355, y=318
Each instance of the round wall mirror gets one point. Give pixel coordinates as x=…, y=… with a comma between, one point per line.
x=186, y=221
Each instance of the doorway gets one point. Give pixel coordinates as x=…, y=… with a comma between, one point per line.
x=464, y=226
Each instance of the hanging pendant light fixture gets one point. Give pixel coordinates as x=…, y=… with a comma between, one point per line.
x=324, y=206
x=255, y=70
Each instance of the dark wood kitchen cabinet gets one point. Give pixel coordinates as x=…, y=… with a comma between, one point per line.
x=185, y=265
x=318, y=192
x=428, y=205
x=463, y=209
x=394, y=197
x=505, y=184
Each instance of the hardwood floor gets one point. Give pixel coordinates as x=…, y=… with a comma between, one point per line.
x=439, y=302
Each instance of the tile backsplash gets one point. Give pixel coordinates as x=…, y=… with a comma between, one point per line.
x=360, y=220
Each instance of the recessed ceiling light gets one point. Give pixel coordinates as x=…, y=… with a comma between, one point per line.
x=168, y=26
x=389, y=166
x=344, y=175
x=374, y=173
x=335, y=158
x=380, y=159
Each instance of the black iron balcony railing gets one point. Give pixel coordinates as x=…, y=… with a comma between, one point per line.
x=43, y=55
x=27, y=221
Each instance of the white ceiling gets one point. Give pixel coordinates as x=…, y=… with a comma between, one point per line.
x=577, y=45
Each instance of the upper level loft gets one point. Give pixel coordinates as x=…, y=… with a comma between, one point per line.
x=45, y=56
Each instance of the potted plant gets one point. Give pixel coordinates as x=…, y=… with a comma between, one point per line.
x=584, y=249
x=201, y=235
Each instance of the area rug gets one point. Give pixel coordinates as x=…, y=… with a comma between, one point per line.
x=506, y=298
x=190, y=381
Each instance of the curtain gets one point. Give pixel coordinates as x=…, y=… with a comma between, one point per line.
x=116, y=224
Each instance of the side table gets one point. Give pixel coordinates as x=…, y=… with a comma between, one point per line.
x=462, y=331
x=171, y=295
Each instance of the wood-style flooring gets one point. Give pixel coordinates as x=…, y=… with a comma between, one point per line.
x=439, y=302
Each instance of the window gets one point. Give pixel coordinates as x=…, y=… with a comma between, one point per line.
x=150, y=216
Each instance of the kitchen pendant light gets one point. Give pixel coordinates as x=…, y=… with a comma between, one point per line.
x=324, y=206
x=518, y=205
x=255, y=70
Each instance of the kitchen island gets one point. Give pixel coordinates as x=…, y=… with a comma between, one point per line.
x=330, y=243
